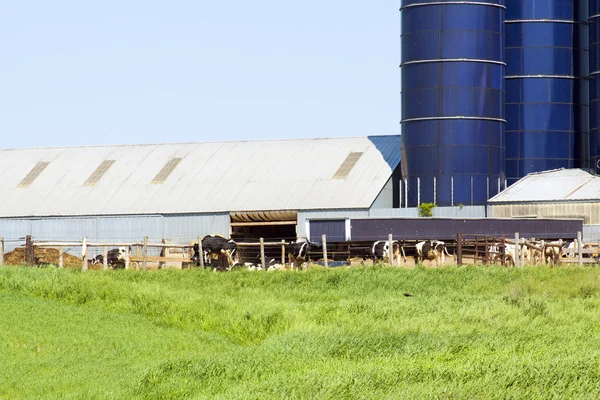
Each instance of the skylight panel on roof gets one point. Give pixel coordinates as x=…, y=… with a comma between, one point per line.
x=166, y=171
x=99, y=173
x=349, y=163
x=33, y=174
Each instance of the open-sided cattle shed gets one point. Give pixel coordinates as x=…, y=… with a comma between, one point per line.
x=179, y=191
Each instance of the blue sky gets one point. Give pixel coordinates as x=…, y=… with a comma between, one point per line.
x=125, y=72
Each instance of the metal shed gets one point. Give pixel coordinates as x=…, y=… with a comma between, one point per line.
x=183, y=190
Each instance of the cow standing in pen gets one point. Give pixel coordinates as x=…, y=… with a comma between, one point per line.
x=297, y=253
x=218, y=246
x=431, y=250
x=380, y=251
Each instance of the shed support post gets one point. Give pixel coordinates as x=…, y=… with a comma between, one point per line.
x=145, y=254
x=262, y=253
x=579, y=249
x=390, y=249
x=325, y=262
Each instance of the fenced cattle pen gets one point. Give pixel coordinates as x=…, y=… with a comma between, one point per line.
x=465, y=249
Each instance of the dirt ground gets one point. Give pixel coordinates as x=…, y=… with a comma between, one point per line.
x=43, y=256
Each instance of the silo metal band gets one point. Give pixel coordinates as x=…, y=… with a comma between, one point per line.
x=556, y=21
x=453, y=60
x=544, y=76
x=453, y=118
x=594, y=73
x=441, y=3
x=594, y=16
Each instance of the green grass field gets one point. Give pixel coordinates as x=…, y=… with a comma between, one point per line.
x=464, y=332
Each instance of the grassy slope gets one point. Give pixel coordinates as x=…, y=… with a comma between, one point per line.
x=469, y=332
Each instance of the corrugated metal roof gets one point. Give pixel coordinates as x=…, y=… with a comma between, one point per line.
x=552, y=186
x=211, y=177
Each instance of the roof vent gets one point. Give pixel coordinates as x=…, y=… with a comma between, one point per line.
x=349, y=163
x=99, y=173
x=166, y=171
x=33, y=174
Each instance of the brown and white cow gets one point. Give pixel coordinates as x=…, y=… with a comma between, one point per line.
x=431, y=250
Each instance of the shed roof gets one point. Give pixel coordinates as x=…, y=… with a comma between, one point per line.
x=559, y=185
x=210, y=177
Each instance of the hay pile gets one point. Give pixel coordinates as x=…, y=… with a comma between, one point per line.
x=43, y=256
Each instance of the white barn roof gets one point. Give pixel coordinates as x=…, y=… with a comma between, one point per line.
x=558, y=185
x=196, y=177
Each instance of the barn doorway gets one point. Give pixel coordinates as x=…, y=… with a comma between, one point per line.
x=272, y=226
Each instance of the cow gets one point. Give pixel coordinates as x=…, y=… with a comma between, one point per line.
x=297, y=253
x=216, y=245
x=431, y=250
x=115, y=258
x=380, y=251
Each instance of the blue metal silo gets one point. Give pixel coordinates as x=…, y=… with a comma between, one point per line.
x=546, y=87
x=594, y=82
x=452, y=100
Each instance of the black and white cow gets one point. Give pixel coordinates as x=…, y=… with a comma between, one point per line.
x=380, y=251
x=431, y=250
x=218, y=246
x=115, y=258
x=297, y=253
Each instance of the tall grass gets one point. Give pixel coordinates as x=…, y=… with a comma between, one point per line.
x=376, y=332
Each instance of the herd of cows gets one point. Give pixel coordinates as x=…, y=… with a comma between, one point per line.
x=298, y=254
x=218, y=248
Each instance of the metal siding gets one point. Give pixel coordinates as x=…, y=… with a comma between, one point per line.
x=385, y=199
x=453, y=77
x=411, y=212
x=591, y=233
x=334, y=229
x=211, y=178
x=594, y=83
x=460, y=212
x=546, y=86
x=446, y=229
x=185, y=228
x=589, y=212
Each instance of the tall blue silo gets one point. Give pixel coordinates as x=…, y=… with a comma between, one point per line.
x=547, y=109
x=452, y=101
x=594, y=82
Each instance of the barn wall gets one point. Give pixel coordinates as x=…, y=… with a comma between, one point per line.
x=176, y=228
x=460, y=212
x=591, y=233
x=590, y=212
x=385, y=199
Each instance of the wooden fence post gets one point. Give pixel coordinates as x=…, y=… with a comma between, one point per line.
x=517, y=259
x=503, y=251
x=324, y=240
x=486, y=256
x=476, y=260
x=390, y=250
x=61, y=261
x=201, y=251
x=543, y=252
x=579, y=249
x=84, y=254
x=28, y=258
x=2, y=250
x=283, y=253
x=128, y=258
x=262, y=253
x=105, y=257
x=459, y=243
x=145, y=253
